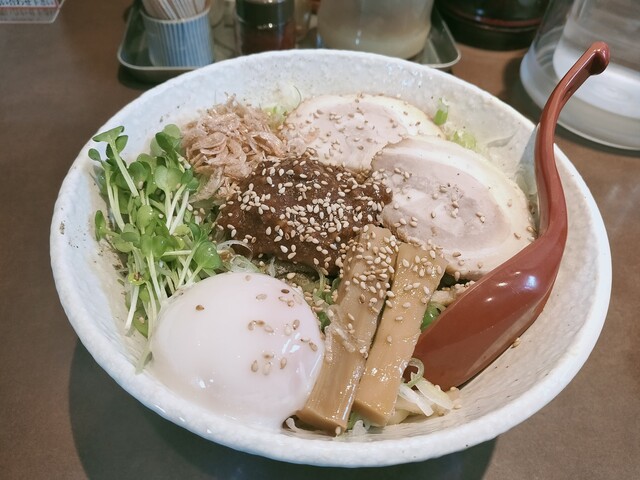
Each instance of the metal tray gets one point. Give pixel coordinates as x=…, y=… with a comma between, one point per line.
x=440, y=50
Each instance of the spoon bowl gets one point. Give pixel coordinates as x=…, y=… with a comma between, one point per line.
x=472, y=332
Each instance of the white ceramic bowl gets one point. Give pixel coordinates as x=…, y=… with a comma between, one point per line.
x=514, y=387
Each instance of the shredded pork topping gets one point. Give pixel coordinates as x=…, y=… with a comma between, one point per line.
x=302, y=211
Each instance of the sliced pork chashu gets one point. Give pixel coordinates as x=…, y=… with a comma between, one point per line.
x=454, y=198
x=348, y=130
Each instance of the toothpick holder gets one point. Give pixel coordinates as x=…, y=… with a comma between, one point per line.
x=185, y=42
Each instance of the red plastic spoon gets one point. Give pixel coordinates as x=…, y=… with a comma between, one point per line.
x=485, y=321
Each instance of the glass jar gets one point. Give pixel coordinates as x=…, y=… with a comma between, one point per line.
x=397, y=29
x=263, y=25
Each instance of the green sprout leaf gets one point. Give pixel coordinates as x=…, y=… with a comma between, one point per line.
x=94, y=155
x=167, y=141
x=130, y=234
x=140, y=323
x=146, y=245
x=159, y=245
x=139, y=172
x=121, y=143
x=206, y=256
x=146, y=215
x=122, y=245
x=109, y=136
x=182, y=230
x=100, y=225
x=173, y=131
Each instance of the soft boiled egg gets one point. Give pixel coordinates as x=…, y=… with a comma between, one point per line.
x=245, y=345
x=455, y=199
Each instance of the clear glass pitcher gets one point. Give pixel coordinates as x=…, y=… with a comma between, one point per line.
x=607, y=107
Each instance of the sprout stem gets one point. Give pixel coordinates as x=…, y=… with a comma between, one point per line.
x=123, y=169
x=132, y=307
x=180, y=215
x=112, y=195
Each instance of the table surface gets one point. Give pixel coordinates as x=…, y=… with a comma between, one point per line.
x=61, y=416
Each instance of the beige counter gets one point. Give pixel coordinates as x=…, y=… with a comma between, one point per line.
x=61, y=416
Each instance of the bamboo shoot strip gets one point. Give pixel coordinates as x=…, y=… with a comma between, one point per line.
x=418, y=272
x=365, y=281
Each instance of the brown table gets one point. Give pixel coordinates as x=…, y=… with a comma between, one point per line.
x=61, y=416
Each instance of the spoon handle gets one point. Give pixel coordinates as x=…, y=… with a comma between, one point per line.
x=550, y=193
x=472, y=332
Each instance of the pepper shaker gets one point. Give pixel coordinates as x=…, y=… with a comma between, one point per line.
x=263, y=25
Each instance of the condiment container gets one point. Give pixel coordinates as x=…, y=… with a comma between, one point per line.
x=493, y=24
x=182, y=42
x=302, y=17
x=397, y=29
x=263, y=25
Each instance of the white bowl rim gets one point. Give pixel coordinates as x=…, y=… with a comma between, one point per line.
x=319, y=452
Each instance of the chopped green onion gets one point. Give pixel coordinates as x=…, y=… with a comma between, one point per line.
x=464, y=138
x=418, y=374
x=442, y=113
x=434, y=309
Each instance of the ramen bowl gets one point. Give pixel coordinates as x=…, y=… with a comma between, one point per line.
x=513, y=388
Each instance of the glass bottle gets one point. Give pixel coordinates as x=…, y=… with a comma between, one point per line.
x=263, y=25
